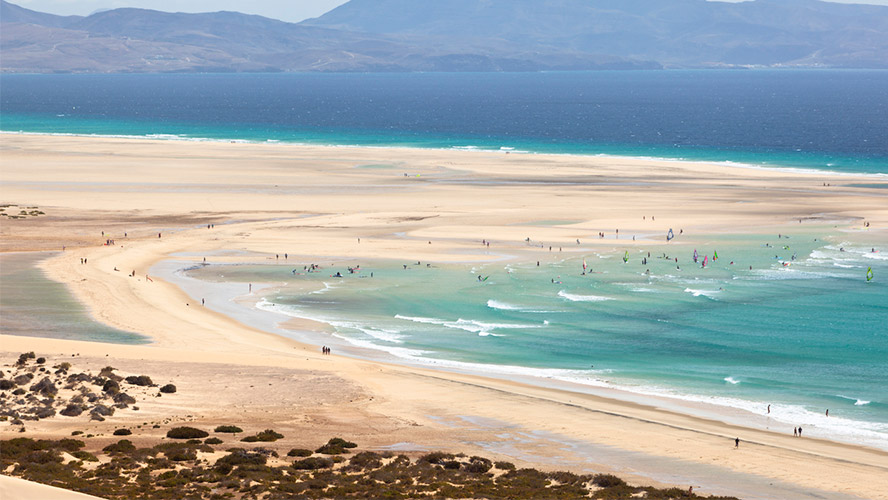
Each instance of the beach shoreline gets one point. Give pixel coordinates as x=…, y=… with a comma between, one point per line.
x=775, y=167
x=173, y=198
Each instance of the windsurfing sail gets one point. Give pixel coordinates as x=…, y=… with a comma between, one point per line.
x=705, y=260
x=584, y=265
x=714, y=255
x=626, y=257
x=869, y=274
x=695, y=256
x=670, y=235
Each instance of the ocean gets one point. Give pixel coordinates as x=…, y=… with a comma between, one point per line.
x=727, y=339
x=824, y=119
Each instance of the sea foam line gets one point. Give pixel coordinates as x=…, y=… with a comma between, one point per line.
x=582, y=298
x=505, y=306
x=483, y=329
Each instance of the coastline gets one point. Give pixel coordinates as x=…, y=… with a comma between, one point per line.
x=142, y=206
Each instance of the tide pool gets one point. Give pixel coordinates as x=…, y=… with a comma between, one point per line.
x=801, y=330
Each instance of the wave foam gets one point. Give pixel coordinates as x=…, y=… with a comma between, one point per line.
x=470, y=325
x=505, y=306
x=582, y=298
x=705, y=293
x=857, y=401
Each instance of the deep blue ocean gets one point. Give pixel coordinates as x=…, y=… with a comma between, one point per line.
x=826, y=119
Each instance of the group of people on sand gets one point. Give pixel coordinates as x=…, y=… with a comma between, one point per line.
x=325, y=350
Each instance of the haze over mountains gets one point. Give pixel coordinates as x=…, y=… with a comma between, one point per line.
x=456, y=35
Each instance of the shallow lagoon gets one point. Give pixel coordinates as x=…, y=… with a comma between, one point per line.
x=801, y=337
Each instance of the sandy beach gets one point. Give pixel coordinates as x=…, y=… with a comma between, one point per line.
x=156, y=199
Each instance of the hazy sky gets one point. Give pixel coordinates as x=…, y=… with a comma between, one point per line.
x=285, y=10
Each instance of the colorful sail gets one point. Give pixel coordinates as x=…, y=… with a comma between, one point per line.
x=626, y=257
x=714, y=255
x=584, y=265
x=670, y=235
x=705, y=260
x=869, y=274
x=695, y=256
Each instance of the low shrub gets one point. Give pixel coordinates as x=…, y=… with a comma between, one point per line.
x=437, y=458
x=504, y=465
x=266, y=436
x=479, y=465
x=122, y=432
x=607, y=481
x=186, y=433
x=168, y=389
x=84, y=456
x=213, y=440
x=313, y=463
x=181, y=455
x=140, y=380
x=299, y=452
x=336, y=446
x=231, y=429
x=24, y=357
x=111, y=386
x=122, y=446
x=72, y=410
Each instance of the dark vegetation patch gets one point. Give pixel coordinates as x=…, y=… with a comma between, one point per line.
x=171, y=470
x=140, y=380
x=266, y=436
x=299, y=452
x=336, y=446
x=231, y=429
x=178, y=470
x=186, y=433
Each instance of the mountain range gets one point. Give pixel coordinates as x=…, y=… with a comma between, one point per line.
x=454, y=35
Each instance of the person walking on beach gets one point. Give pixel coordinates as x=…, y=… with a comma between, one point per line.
x=795, y=432
x=800, y=431
x=736, y=442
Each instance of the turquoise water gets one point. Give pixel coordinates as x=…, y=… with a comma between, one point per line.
x=34, y=306
x=801, y=337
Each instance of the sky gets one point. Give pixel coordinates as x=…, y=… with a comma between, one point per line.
x=285, y=10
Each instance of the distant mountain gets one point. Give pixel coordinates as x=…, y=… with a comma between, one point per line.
x=686, y=33
x=453, y=35
x=10, y=13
